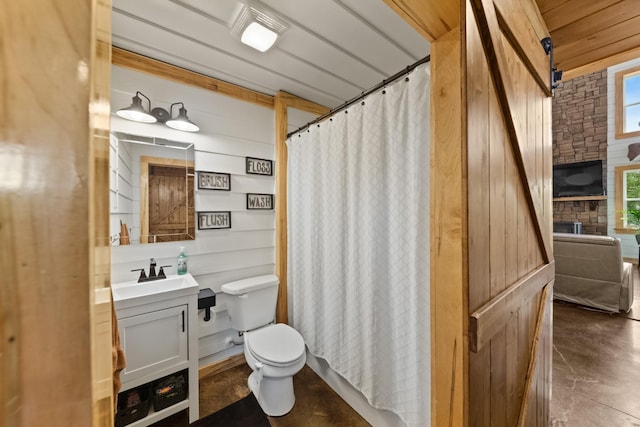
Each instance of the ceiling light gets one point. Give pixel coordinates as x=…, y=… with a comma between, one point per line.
x=258, y=37
x=181, y=122
x=257, y=26
x=136, y=111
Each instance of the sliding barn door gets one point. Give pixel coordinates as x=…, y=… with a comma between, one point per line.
x=510, y=268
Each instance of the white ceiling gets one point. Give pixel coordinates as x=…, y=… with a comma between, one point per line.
x=332, y=51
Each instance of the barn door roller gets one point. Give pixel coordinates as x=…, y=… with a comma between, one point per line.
x=555, y=75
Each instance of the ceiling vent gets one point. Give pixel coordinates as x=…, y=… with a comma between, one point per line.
x=257, y=26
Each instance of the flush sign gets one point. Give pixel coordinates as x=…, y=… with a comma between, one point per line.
x=259, y=201
x=214, y=220
x=259, y=166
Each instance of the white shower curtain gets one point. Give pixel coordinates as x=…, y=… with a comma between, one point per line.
x=358, y=227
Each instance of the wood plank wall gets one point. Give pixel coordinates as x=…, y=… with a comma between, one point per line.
x=99, y=244
x=509, y=204
x=55, y=334
x=500, y=273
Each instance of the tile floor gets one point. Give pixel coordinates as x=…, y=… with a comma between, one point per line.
x=596, y=377
x=596, y=366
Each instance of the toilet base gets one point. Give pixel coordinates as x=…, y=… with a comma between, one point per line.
x=275, y=395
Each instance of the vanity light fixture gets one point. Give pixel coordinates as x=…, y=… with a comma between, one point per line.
x=181, y=122
x=138, y=113
x=257, y=26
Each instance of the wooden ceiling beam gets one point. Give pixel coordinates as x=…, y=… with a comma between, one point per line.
x=432, y=19
x=605, y=18
x=574, y=10
x=134, y=61
x=605, y=40
x=590, y=35
x=599, y=54
x=547, y=5
x=601, y=64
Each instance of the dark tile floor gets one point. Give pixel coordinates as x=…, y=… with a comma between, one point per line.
x=596, y=366
x=317, y=405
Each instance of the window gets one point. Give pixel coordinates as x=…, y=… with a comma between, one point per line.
x=627, y=198
x=628, y=103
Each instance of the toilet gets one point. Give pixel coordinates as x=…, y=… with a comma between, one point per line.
x=274, y=351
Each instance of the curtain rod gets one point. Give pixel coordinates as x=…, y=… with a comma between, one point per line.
x=364, y=94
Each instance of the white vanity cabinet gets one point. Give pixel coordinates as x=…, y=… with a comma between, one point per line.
x=159, y=335
x=154, y=342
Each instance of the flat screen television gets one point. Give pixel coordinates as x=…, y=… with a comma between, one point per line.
x=578, y=179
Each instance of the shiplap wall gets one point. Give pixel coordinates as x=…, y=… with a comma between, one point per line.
x=120, y=188
x=617, y=156
x=230, y=130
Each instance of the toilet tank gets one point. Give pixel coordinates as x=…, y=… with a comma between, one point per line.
x=251, y=303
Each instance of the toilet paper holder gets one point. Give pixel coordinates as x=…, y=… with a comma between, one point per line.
x=206, y=300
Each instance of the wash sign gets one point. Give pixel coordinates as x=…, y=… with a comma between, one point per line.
x=259, y=201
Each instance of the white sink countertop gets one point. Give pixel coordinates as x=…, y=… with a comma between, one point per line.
x=129, y=294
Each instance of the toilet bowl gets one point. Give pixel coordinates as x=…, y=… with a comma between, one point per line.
x=275, y=353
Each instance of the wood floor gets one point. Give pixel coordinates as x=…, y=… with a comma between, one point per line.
x=596, y=366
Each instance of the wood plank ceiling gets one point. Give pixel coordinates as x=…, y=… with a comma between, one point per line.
x=590, y=35
x=332, y=50
x=335, y=49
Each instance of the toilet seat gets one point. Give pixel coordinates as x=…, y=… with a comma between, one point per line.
x=276, y=345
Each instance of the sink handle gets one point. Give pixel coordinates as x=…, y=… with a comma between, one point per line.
x=161, y=274
x=143, y=276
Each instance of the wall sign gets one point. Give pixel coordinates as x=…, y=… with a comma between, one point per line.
x=259, y=201
x=214, y=181
x=214, y=220
x=259, y=166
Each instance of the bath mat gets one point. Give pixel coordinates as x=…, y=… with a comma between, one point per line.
x=243, y=413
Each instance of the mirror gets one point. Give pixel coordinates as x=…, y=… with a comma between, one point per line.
x=151, y=190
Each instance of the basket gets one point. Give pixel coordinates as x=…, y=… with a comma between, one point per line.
x=133, y=405
x=169, y=390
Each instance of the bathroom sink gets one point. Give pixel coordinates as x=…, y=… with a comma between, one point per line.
x=128, y=294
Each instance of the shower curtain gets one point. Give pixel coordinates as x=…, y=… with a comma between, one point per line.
x=358, y=239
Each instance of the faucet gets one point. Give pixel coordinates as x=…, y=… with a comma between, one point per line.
x=152, y=269
x=152, y=272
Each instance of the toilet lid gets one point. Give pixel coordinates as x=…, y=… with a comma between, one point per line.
x=278, y=344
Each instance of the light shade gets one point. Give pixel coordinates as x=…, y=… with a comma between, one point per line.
x=181, y=122
x=258, y=37
x=136, y=111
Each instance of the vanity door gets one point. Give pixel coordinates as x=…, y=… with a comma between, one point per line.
x=155, y=343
